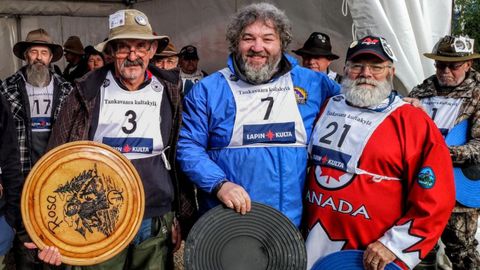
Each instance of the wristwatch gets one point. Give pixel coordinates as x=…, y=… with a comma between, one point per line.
x=218, y=186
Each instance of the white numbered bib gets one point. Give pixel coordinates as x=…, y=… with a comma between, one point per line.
x=40, y=99
x=194, y=77
x=267, y=114
x=342, y=133
x=443, y=111
x=129, y=120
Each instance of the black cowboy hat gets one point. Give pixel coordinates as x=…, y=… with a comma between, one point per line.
x=318, y=44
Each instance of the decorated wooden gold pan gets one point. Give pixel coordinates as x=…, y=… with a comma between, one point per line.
x=86, y=199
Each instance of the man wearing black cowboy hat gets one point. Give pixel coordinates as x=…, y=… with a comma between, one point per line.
x=452, y=98
x=35, y=95
x=317, y=55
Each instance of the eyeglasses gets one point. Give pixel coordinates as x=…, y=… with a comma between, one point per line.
x=123, y=49
x=356, y=68
x=451, y=65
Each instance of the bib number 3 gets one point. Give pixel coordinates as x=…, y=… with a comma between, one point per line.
x=131, y=126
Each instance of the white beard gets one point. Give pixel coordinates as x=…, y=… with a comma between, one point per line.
x=361, y=96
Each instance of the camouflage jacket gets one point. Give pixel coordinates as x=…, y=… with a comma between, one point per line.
x=469, y=90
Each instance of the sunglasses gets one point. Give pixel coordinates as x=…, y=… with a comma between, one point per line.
x=450, y=65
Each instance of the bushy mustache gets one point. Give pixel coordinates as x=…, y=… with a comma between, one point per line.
x=38, y=62
x=136, y=62
x=367, y=81
x=252, y=53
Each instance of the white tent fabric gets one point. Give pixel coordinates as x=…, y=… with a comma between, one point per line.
x=412, y=27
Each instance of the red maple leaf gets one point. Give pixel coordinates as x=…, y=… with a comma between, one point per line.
x=324, y=159
x=370, y=41
x=127, y=148
x=270, y=135
x=43, y=123
x=331, y=173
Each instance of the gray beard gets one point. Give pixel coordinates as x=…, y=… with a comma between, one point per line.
x=38, y=75
x=360, y=96
x=259, y=75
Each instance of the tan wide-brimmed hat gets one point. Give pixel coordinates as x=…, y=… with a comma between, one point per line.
x=74, y=45
x=131, y=24
x=170, y=50
x=453, y=49
x=38, y=37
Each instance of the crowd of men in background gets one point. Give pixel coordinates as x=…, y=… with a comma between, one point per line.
x=364, y=145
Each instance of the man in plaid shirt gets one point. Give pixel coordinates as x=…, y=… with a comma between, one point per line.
x=34, y=94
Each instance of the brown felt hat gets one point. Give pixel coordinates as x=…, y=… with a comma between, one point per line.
x=74, y=45
x=38, y=37
x=170, y=50
x=131, y=24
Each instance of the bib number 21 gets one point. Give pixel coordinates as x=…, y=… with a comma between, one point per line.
x=326, y=139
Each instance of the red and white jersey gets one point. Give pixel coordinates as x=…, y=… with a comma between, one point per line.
x=378, y=174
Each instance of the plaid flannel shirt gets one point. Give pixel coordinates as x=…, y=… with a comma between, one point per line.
x=13, y=88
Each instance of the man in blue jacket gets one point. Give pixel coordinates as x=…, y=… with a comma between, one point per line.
x=246, y=126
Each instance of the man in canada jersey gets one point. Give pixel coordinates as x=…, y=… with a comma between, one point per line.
x=379, y=179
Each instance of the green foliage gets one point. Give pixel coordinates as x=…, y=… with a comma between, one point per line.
x=466, y=21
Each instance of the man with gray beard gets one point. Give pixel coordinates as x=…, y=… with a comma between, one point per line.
x=34, y=94
x=246, y=127
x=452, y=97
x=378, y=180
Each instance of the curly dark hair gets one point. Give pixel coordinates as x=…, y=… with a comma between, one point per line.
x=260, y=11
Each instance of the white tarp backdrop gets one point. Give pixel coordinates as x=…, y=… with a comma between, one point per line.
x=411, y=26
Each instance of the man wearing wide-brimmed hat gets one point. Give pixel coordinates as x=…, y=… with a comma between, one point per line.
x=35, y=95
x=74, y=55
x=136, y=109
x=166, y=59
x=452, y=98
x=317, y=55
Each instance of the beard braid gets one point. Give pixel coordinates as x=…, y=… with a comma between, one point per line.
x=259, y=75
x=361, y=96
x=38, y=74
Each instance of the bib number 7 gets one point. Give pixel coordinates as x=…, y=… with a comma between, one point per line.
x=269, y=107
